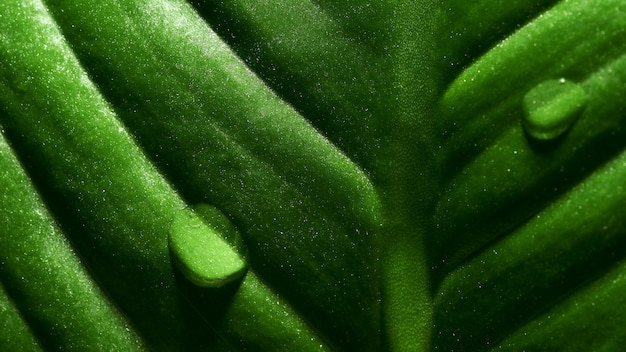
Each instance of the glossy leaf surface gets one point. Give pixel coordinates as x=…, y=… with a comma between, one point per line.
x=312, y=175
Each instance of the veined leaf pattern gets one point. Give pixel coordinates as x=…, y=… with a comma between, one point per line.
x=368, y=161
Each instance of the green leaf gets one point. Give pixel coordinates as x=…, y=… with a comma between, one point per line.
x=312, y=175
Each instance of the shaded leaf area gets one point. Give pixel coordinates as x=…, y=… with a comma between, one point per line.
x=501, y=176
x=572, y=242
x=590, y=320
x=522, y=225
x=325, y=58
x=14, y=330
x=211, y=125
x=466, y=39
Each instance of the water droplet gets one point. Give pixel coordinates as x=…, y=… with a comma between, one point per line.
x=552, y=107
x=215, y=219
x=201, y=254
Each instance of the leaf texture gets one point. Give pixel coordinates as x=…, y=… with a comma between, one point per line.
x=371, y=155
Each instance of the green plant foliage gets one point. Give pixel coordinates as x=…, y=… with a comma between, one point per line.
x=312, y=175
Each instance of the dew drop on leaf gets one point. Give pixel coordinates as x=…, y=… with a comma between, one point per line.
x=201, y=253
x=552, y=107
x=224, y=227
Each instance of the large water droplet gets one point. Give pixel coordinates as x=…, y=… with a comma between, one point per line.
x=201, y=254
x=219, y=222
x=552, y=107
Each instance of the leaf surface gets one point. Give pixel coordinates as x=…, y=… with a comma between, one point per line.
x=369, y=165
